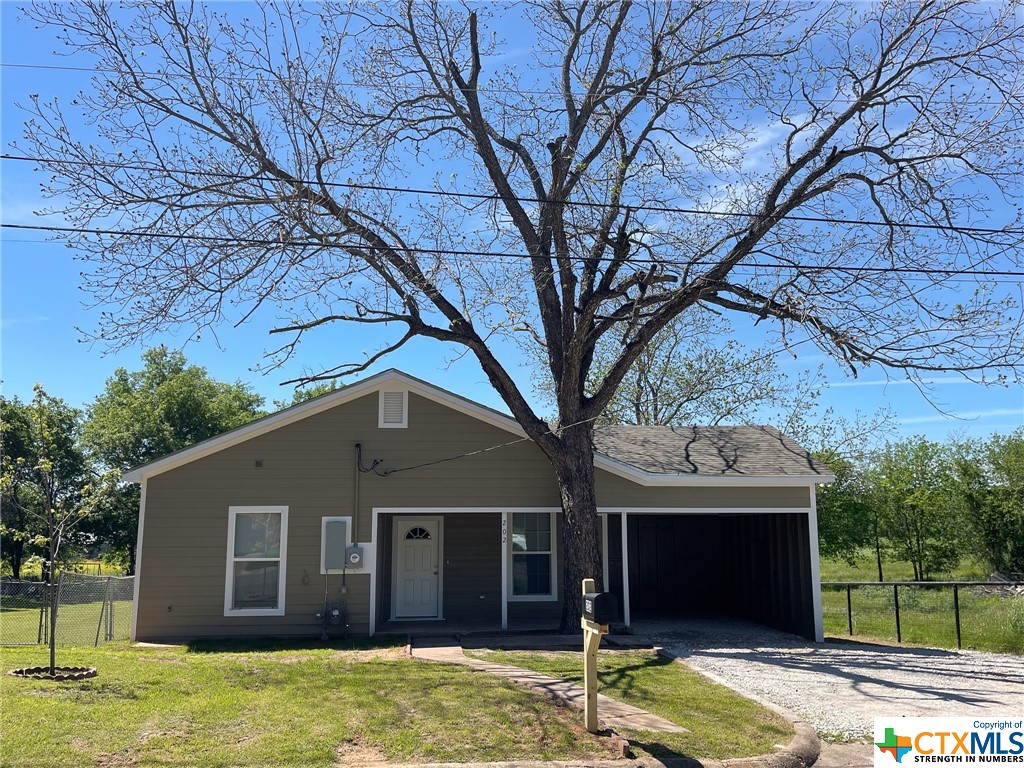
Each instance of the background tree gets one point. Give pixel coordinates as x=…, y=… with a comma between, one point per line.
x=912, y=486
x=990, y=483
x=302, y=394
x=18, y=495
x=43, y=466
x=59, y=488
x=145, y=414
x=845, y=514
x=228, y=144
x=695, y=372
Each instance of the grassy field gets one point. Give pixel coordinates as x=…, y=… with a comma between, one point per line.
x=895, y=570
x=308, y=705
x=988, y=622
x=720, y=723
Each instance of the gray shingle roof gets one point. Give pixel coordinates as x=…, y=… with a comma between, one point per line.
x=717, y=451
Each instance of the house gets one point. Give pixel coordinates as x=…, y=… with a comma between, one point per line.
x=406, y=505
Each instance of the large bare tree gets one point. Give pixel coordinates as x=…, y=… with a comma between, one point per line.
x=838, y=170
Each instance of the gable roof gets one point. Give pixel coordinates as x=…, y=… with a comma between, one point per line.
x=645, y=455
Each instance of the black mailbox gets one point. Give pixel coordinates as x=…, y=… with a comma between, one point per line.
x=600, y=607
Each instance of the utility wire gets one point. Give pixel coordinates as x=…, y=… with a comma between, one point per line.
x=479, y=89
x=178, y=236
x=496, y=198
x=953, y=278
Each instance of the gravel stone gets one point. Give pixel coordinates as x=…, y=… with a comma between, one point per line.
x=840, y=687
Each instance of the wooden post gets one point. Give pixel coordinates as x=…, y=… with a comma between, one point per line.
x=896, y=603
x=592, y=632
x=956, y=613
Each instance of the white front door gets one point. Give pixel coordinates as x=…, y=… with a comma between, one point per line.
x=417, y=567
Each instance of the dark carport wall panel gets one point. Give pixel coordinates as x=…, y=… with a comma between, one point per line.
x=750, y=566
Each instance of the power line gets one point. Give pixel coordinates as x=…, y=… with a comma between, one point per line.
x=483, y=89
x=496, y=198
x=286, y=243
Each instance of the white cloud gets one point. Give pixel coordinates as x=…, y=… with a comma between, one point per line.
x=940, y=418
x=7, y=323
x=899, y=382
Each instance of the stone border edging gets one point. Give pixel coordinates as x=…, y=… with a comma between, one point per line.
x=61, y=674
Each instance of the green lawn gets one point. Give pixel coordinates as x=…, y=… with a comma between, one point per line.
x=303, y=704
x=721, y=723
x=987, y=622
x=281, y=705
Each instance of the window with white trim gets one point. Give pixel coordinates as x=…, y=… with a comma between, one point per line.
x=533, y=556
x=393, y=409
x=257, y=545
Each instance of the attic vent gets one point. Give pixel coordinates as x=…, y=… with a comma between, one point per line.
x=394, y=407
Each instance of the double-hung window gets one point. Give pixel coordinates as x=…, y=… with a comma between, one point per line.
x=533, y=558
x=257, y=544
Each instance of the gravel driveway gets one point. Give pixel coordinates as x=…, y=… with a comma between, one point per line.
x=840, y=687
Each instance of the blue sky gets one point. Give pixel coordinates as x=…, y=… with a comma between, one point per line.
x=42, y=306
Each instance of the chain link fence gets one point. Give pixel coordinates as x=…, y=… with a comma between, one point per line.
x=90, y=610
x=976, y=615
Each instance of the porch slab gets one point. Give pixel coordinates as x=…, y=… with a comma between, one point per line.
x=613, y=713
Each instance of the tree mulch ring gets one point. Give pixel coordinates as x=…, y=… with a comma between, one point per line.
x=60, y=674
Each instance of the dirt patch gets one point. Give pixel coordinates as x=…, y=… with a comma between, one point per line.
x=387, y=654
x=123, y=758
x=294, y=659
x=355, y=752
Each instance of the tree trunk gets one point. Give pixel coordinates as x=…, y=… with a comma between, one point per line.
x=54, y=604
x=581, y=551
x=16, y=550
x=878, y=551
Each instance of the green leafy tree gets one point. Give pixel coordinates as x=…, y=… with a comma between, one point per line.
x=302, y=394
x=913, y=487
x=20, y=505
x=990, y=480
x=41, y=435
x=844, y=512
x=60, y=488
x=144, y=414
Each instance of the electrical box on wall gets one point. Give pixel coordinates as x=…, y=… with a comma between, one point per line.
x=354, y=557
x=334, y=554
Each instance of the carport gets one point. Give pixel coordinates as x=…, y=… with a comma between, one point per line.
x=758, y=566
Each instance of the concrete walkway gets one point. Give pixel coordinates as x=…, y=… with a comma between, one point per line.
x=613, y=714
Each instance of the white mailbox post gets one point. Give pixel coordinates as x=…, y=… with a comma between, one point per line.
x=592, y=632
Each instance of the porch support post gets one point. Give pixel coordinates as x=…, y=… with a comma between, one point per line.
x=604, y=550
x=504, y=570
x=625, y=572
x=812, y=543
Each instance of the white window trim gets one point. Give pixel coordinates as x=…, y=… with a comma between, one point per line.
x=233, y=512
x=323, y=540
x=405, y=409
x=509, y=552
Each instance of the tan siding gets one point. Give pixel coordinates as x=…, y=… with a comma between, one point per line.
x=309, y=467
